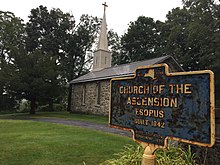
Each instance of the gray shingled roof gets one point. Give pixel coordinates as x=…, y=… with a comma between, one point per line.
x=121, y=70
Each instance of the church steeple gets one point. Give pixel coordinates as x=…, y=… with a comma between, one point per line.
x=103, y=42
x=102, y=56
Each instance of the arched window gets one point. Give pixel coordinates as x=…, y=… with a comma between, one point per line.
x=105, y=60
x=98, y=93
x=84, y=94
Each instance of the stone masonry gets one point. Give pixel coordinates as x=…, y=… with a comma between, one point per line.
x=90, y=105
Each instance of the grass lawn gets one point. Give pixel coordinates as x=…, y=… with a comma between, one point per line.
x=64, y=115
x=35, y=143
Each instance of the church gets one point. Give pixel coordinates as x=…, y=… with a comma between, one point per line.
x=91, y=92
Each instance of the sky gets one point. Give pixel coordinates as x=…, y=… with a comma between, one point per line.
x=118, y=14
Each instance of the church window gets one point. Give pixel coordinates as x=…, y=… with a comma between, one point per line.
x=84, y=95
x=96, y=60
x=106, y=60
x=98, y=93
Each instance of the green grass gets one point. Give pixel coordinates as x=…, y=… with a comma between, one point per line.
x=36, y=143
x=63, y=115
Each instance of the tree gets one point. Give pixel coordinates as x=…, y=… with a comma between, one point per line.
x=175, y=32
x=80, y=40
x=114, y=44
x=33, y=77
x=56, y=34
x=46, y=32
x=11, y=40
x=140, y=41
x=75, y=59
x=191, y=34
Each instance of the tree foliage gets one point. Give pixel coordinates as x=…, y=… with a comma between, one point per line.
x=11, y=41
x=140, y=40
x=192, y=32
x=45, y=54
x=189, y=34
x=80, y=40
x=33, y=78
x=115, y=47
x=56, y=34
x=46, y=32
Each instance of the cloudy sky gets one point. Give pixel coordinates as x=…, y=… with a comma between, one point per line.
x=119, y=12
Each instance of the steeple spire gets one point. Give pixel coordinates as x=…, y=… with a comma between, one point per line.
x=103, y=42
x=102, y=56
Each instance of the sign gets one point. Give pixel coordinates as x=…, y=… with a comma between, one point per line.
x=157, y=105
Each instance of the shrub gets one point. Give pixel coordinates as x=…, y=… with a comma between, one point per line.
x=59, y=107
x=175, y=156
x=23, y=106
x=132, y=155
x=56, y=108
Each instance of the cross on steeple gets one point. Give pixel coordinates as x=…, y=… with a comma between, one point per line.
x=105, y=5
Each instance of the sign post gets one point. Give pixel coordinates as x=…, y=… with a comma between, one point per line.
x=157, y=105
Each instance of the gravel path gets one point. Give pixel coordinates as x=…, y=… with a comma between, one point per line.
x=83, y=124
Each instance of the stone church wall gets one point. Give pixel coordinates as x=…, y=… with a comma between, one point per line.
x=85, y=97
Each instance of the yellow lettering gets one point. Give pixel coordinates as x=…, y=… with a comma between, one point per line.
x=156, y=102
x=161, y=102
x=133, y=101
x=161, y=114
x=151, y=112
x=121, y=89
x=138, y=101
x=125, y=89
x=130, y=89
x=173, y=102
x=150, y=101
x=135, y=89
x=146, y=112
x=141, y=112
x=147, y=89
x=129, y=101
x=141, y=122
x=179, y=88
x=155, y=89
x=144, y=102
x=140, y=90
x=156, y=113
x=161, y=88
x=166, y=102
x=171, y=88
x=187, y=89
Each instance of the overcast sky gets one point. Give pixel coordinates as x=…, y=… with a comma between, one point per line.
x=119, y=12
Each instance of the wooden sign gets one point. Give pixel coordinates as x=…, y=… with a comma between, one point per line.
x=157, y=105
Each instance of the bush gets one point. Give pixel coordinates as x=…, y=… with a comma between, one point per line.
x=175, y=156
x=7, y=104
x=59, y=107
x=43, y=108
x=56, y=108
x=23, y=106
x=132, y=155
